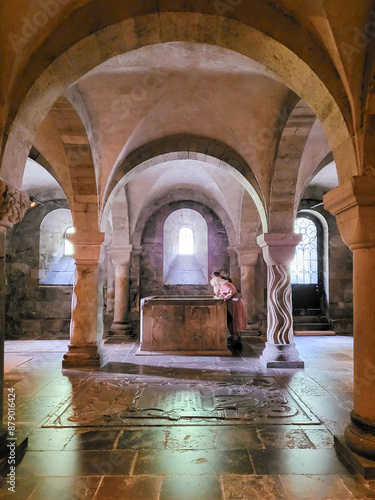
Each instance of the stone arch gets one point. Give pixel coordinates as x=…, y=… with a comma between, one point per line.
x=286, y=167
x=51, y=241
x=179, y=196
x=75, y=172
x=296, y=60
x=190, y=147
x=250, y=221
x=367, y=166
x=120, y=220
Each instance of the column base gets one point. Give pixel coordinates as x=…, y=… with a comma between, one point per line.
x=120, y=332
x=6, y=454
x=353, y=461
x=281, y=356
x=88, y=357
x=360, y=436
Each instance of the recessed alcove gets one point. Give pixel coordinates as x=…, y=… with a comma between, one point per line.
x=185, y=248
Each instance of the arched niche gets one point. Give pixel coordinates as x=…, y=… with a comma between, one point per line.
x=185, y=248
x=149, y=266
x=51, y=244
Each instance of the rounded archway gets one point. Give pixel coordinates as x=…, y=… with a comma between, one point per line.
x=71, y=64
x=185, y=248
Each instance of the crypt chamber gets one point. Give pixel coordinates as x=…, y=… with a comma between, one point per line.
x=146, y=147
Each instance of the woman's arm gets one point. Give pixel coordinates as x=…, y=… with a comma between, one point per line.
x=227, y=291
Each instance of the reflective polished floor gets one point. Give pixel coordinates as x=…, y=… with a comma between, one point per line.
x=182, y=427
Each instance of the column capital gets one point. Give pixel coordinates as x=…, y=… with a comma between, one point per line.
x=86, y=246
x=353, y=204
x=13, y=205
x=120, y=255
x=248, y=254
x=278, y=248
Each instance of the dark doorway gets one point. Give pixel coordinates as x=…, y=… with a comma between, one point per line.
x=307, y=268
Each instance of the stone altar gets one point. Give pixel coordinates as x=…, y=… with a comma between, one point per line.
x=183, y=325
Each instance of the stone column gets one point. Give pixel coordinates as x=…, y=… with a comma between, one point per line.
x=86, y=345
x=353, y=204
x=121, y=328
x=13, y=206
x=234, y=267
x=248, y=257
x=278, y=253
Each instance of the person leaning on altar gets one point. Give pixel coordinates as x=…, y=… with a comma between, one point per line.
x=236, y=311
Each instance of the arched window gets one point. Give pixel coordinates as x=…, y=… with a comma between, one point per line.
x=309, y=271
x=56, y=264
x=185, y=248
x=304, y=268
x=68, y=246
x=186, y=241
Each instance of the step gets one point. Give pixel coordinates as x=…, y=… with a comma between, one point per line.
x=312, y=326
x=313, y=333
x=310, y=319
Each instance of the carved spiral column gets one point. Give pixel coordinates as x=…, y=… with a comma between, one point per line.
x=86, y=346
x=121, y=327
x=248, y=257
x=13, y=206
x=278, y=252
x=353, y=204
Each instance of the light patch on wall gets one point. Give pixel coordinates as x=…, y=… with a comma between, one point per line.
x=68, y=246
x=186, y=241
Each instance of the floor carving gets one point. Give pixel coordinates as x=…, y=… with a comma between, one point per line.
x=116, y=401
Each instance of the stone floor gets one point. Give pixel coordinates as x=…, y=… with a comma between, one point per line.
x=183, y=428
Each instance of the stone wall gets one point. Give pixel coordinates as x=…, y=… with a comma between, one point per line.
x=33, y=311
x=148, y=264
x=340, y=281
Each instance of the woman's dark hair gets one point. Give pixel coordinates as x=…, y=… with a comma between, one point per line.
x=215, y=273
x=226, y=278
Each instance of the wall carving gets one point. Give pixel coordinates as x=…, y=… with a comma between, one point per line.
x=280, y=318
x=13, y=205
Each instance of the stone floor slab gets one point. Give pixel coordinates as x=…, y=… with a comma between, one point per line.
x=118, y=401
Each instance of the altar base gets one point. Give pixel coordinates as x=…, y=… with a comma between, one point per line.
x=183, y=325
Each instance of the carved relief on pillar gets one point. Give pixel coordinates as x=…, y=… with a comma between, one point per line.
x=279, y=316
x=13, y=205
x=278, y=252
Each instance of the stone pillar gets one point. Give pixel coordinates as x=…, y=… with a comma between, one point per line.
x=86, y=345
x=353, y=204
x=121, y=328
x=278, y=253
x=13, y=206
x=234, y=267
x=248, y=257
